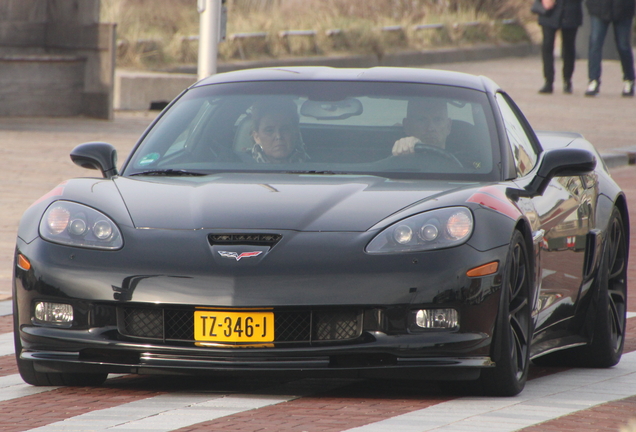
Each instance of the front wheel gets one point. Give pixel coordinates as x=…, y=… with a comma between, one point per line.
x=31, y=376
x=513, y=328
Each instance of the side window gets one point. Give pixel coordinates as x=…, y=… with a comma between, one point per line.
x=524, y=153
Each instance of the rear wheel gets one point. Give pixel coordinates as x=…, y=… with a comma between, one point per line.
x=610, y=307
x=513, y=330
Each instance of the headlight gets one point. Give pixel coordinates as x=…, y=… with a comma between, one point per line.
x=436, y=229
x=73, y=224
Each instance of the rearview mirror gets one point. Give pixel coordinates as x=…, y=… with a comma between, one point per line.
x=96, y=155
x=331, y=110
x=558, y=163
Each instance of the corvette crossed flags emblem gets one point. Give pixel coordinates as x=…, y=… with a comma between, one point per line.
x=237, y=256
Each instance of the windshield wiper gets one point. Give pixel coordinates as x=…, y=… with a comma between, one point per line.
x=169, y=173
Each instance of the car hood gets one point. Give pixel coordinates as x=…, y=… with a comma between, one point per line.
x=267, y=202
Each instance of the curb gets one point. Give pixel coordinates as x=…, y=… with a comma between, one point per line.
x=136, y=90
x=620, y=157
x=405, y=58
x=617, y=160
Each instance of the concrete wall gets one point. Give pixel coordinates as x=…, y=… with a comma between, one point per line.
x=56, y=59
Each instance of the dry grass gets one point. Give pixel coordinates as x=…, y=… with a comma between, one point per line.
x=153, y=33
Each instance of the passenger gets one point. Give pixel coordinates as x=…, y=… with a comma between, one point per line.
x=426, y=122
x=275, y=132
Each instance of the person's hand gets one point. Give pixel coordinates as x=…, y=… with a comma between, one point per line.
x=404, y=146
x=548, y=4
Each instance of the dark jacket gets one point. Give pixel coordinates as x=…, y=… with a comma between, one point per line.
x=565, y=14
x=611, y=10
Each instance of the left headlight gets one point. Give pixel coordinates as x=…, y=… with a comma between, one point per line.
x=74, y=224
x=436, y=229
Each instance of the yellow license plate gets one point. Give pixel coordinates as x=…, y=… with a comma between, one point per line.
x=222, y=326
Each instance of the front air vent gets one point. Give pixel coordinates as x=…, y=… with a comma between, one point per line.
x=244, y=239
x=304, y=326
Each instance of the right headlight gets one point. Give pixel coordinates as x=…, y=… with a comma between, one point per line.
x=435, y=229
x=74, y=224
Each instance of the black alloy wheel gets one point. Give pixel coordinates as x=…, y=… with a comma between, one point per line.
x=610, y=305
x=513, y=330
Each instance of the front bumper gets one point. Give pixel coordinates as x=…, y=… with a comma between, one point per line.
x=435, y=356
x=391, y=287
x=136, y=360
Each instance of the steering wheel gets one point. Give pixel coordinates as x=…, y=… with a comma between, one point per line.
x=425, y=158
x=429, y=150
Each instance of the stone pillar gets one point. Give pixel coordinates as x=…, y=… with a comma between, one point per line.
x=56, y=59
x=74, y=25
x=22, y=24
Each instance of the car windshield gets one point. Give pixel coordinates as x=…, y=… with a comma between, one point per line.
x=324, y=128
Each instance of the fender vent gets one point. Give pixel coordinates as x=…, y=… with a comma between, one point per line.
x=244, y=239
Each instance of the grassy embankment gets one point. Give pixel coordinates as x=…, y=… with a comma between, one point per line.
x=153, y=33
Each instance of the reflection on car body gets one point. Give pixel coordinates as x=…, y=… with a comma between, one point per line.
x=466, y=259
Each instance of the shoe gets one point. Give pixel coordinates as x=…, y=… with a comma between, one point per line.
x=628, y=88
x=593, y=88
x=546, y=89
x=567, y=87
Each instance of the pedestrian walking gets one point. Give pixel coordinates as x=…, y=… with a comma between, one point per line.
x=620, y=14
x=567, y=16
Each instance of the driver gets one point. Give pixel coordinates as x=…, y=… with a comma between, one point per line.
x=426, y=122
x=275, y=132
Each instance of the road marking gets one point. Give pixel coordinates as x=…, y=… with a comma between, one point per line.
x=543, y=399
x=6, y=344
x=6, y=308
x=176, y=410
x=164, y=412
x=13, y=387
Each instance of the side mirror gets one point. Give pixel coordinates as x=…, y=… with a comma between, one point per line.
x=96, y=155
x=558, y=163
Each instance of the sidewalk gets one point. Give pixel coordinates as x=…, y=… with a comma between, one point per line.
x=34, y=151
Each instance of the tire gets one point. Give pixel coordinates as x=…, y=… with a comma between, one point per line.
x=609, y=309
x=513, y=328
x=31, y=376
x=607, y=314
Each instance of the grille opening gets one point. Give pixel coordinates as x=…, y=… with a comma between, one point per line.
x=102, y=316
x=146, y=323
x=179, y=325
x=244, y=239
x=340, y=325
x=291, y=326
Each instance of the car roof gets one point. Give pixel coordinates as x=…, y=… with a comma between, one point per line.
x=377, y=74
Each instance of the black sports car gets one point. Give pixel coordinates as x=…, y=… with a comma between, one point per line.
x=384, y=222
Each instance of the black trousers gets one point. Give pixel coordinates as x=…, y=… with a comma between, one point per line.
x=568, y=52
